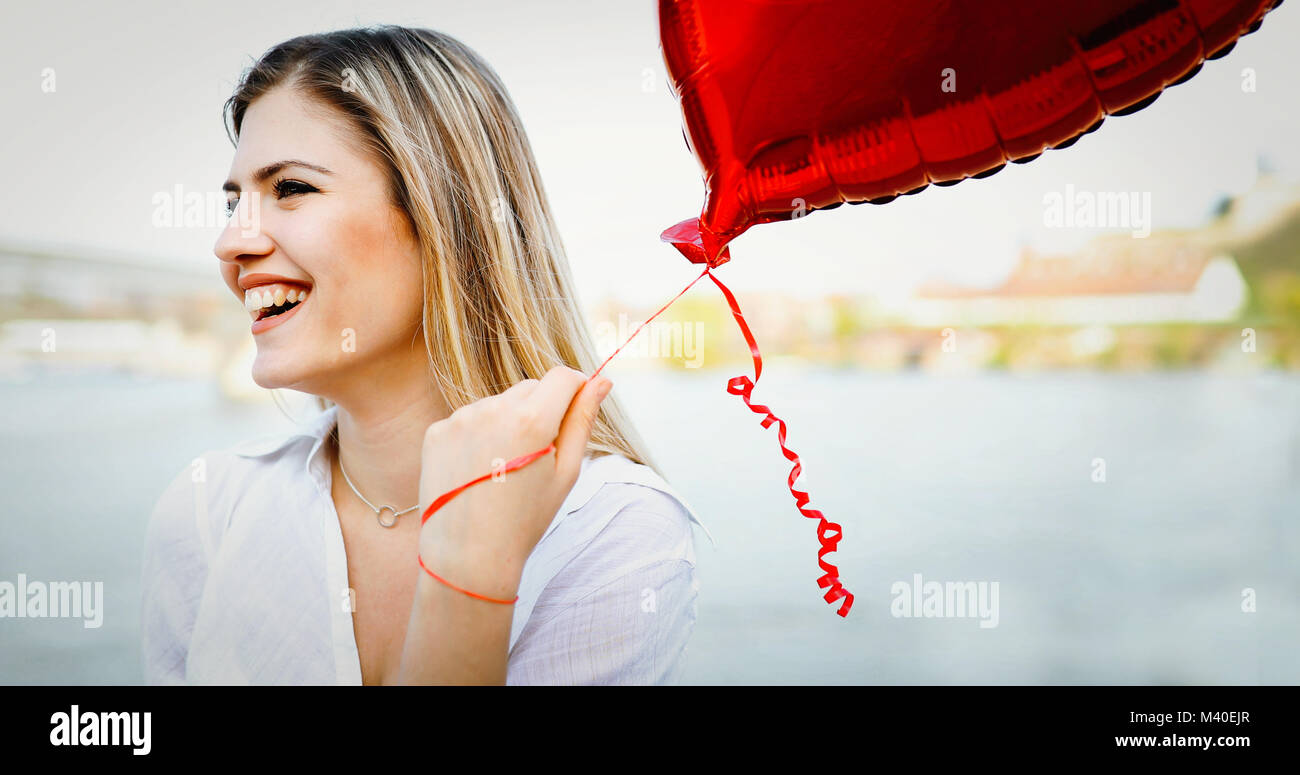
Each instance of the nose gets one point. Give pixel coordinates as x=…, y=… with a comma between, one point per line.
x=244, y=235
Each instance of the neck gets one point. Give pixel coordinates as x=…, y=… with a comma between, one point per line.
x=380, y=435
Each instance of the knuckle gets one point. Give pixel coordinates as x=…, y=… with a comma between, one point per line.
x=562, y=371
x=434, y=432
x=528, y=417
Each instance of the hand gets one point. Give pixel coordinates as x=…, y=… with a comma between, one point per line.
x=480, y=539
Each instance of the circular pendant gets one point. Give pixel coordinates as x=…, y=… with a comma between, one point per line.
x=379, y=515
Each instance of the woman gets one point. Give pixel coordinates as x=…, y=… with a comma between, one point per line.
x=406, y=270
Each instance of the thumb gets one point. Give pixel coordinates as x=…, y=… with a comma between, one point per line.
x=575, y=429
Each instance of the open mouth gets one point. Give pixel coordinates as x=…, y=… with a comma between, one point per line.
x=278, y=309
x=270, y=301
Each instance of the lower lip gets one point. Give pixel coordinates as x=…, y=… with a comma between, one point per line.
x=268, y=323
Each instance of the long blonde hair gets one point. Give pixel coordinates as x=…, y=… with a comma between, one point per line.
x=499, y=303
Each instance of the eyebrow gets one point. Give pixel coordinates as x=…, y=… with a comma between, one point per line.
x=271, y=169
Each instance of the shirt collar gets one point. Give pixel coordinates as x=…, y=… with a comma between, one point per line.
x=315, y=429
x=596, y=471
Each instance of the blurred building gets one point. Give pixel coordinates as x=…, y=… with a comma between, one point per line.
x=1116, y=281
x=1266, y=206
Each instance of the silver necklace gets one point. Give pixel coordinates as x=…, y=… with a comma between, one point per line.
x=379, y=512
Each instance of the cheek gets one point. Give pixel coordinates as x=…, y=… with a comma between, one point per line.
x=367, y=269
x=312, y=243
x=399, y=309
x=414, y=313
x=372, y=312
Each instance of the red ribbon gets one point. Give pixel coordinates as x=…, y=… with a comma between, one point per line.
x=518, y=462
x=741, y=386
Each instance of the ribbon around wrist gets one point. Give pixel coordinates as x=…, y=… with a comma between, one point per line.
x=464, y=591
x=518, y=462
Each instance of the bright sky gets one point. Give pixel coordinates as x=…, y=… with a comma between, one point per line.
x=137, y=111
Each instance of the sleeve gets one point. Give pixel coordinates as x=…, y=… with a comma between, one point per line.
x=622, y=611
x=174, y=569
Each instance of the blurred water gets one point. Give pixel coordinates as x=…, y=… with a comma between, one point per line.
x=987, y=477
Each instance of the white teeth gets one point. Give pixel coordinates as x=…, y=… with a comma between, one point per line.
x=256, y=299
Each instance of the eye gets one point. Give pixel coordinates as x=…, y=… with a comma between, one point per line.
x=285, y=188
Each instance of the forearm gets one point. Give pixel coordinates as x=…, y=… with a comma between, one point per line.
x=453, y=638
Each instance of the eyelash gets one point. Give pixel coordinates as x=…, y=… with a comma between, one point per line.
x=279, y=189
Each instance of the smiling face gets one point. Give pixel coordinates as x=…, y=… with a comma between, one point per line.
x=330, y=228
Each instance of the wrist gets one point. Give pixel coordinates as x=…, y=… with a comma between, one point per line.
x=482, y=570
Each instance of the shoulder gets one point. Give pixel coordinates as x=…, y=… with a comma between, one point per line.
x=174, y=508
x=181, y=542
x=223, y=472
x=177, y=548
x=175, y=526
x=619, y=517
x=613, y=493
x=198, y=480
x=190, y=507
x=620, y=524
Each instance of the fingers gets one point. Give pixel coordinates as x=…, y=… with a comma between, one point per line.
x=522, y=388
x=575, y=431
x=550, y=400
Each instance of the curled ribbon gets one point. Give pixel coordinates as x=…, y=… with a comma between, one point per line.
x=828, y=533
x=742, y=386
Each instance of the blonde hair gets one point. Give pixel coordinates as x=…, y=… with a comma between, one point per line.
x=499, y=303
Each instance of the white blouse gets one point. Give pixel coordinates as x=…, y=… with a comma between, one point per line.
x=245, y=575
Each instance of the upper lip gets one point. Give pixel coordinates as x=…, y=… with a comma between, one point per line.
x=260, y=278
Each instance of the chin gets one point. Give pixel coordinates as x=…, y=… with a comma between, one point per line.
x=269, y=374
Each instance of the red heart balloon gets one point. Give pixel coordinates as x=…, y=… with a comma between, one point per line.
x=800, y=105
